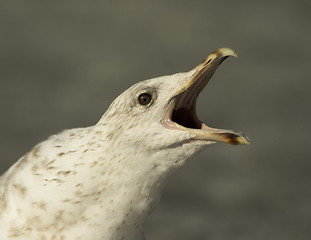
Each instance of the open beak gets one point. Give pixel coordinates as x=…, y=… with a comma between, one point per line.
x=181, y=111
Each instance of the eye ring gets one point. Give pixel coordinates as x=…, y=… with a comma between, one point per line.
x=144, y=99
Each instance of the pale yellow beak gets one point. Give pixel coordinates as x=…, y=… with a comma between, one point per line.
x=183, y=104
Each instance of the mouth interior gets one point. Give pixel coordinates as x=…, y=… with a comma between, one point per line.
x=184, y=112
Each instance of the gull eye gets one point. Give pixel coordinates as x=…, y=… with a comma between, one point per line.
x=144, y=98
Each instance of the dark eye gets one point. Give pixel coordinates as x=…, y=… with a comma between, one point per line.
x=144, y=98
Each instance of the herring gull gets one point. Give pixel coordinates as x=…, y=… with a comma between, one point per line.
x=101, y=182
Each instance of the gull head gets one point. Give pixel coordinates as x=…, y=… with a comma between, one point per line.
x=158, y=118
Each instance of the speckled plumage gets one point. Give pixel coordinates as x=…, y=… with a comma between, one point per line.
x=101, y=182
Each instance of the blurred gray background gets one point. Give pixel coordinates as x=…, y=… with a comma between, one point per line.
x=63, y=62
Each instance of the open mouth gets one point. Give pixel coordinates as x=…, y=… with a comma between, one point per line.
x=184, y=111
x=181, y=111
x=180, y=114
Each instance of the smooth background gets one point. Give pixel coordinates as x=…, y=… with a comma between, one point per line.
x=63, y=62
